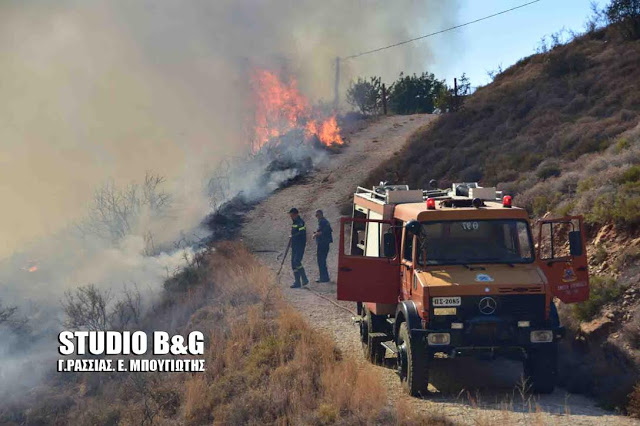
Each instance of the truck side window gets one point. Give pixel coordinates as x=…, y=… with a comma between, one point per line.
x=358, y=230
x=554, y=243
x=408, y=247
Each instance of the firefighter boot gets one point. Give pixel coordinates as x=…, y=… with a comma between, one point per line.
x=303, y=276
x=296, y=283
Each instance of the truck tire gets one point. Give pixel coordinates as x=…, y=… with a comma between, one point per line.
x=373, y=353
x=413, y=363
x=541, y=368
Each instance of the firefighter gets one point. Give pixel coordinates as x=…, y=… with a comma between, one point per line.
x=298, y=243
x=324, y=238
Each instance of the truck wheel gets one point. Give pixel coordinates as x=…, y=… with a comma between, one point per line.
x=373, y=353
x=413, y=364
x=541, y=368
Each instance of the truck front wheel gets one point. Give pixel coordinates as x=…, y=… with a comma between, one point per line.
x=413, y=363
x=541, y=368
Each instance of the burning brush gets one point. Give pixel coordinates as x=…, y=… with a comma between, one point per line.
x=283, y=114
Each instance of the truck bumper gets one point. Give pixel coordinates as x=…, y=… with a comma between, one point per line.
x=474, y=339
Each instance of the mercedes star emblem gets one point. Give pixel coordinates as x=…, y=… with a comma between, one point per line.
x=487, y=305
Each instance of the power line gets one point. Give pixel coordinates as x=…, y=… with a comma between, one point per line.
x=440, y=32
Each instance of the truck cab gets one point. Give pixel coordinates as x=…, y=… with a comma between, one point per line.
x=456, y=272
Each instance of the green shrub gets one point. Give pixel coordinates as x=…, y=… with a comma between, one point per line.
x=366, y=95
x=413, y=94
x=632, y=174
x=626, y=15
x=548, y=170
x=626, y=212
x=601, y=211
x=600, y=255
x=540, y=205
x=622, y=144
x=603, y=290
x=585, y=184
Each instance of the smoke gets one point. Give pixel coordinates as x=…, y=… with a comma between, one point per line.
x=103, y=91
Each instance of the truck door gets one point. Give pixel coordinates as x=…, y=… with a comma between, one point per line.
x=562, y=255
x=371, y=271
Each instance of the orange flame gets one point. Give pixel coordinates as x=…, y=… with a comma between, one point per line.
x=280, y=108
x=33, y=269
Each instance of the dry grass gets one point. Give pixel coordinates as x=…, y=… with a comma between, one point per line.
x=265, y=365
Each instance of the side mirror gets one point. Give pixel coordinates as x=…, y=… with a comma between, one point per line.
x=413, y=227
x=575, y=243
x=389, y=243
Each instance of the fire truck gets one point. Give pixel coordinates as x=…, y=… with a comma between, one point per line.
x=454, y=273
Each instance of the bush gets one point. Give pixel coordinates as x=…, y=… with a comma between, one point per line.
x=625, y=14
x=632, y=174
x=366, y=95
x=620, y=206
x=447, y=99
x=547, y=170
x=566, y=62
x=603, y=290
x=414, y=94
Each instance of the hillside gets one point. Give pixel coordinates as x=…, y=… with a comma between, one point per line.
x=465, y=390
x=560, y=131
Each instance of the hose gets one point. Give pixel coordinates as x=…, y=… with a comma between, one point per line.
x=333, y=302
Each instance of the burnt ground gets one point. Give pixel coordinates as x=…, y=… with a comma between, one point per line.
x=468, y=391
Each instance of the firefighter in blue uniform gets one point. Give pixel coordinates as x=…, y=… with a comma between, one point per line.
x=324, y=238
x=298, y=243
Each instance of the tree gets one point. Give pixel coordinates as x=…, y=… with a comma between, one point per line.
x=448, y=100
x=625, y=13
x=414, y=94
x=366, y=95
x=116, y=212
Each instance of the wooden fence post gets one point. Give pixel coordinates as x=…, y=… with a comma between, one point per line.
x=384, y=99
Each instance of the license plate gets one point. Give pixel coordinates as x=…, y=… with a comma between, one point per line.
x=446, y=301
x=444, y=311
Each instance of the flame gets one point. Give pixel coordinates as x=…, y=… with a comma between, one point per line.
x=328, y=132
x=281, y=107
x=33, y=269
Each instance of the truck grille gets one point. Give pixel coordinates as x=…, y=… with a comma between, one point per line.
x=525, y=307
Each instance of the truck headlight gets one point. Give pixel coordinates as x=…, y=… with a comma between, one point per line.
x=541, y=336
x=436, y=339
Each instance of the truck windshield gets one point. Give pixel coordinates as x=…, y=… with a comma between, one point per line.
x=480, y=241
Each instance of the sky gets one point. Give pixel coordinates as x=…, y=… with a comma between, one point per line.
x=502, y=40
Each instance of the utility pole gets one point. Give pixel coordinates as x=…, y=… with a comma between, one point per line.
x=336, y=86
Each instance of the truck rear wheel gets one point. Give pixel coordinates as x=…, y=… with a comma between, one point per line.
x=413, y=363
x=541, y=368
x=374, y=352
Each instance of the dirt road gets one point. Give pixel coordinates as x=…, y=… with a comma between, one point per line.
x=467, y=391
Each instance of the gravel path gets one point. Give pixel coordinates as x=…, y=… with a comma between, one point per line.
x=466, y=390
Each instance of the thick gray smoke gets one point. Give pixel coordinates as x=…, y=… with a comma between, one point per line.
x=105, y=90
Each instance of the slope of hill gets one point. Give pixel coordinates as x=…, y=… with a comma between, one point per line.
x=464, y=390
x=560, y=131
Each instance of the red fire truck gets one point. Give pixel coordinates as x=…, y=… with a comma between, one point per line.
x=455, y=272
